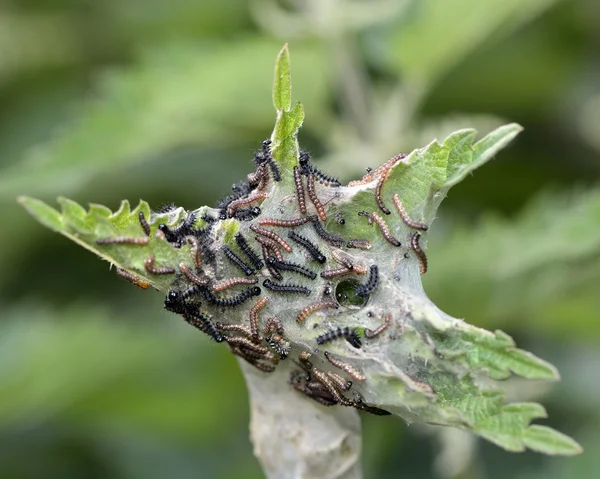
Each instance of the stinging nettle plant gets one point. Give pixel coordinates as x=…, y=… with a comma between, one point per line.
x=316, y=287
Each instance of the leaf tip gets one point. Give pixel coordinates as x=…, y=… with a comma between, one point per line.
x=282, y=84
x=23, y=200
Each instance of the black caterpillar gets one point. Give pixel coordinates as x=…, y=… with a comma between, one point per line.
x=236, y=260
x=348, y=333
x=248, y=251
x=264, y=156
x=247, y=214
x=368, y=287
x=231, y=301
x=175, y=303
x=175, y=236
x=286, y=288
x=310, y=247
x=331, y=238
x=308, y=169
x=286, y=266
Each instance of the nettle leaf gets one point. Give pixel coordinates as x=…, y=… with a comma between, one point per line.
x=98, y=223
x=337, y=294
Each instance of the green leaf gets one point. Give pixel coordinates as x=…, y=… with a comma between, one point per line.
x=425, y=175
x=282, y=85
x=87, y=227
x=496, y=353
x=461, y=164
x=284, y=146
x=547, y=440
x=46, y=215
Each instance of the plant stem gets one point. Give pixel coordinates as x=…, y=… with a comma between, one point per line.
x=296, y=438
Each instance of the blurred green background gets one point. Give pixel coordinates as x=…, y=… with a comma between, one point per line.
x=166, y=100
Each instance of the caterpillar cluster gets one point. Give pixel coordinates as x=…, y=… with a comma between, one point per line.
x=210, y=283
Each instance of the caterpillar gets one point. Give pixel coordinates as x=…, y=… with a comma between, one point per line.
x=273, y=236
x=308, y=169
x=232, y=301
x=272, y=271
x=383, y=227
x=266, y=146
x=191, y=313
x=144, y=223
x=324, y=179
x=368, y=287
x=254, y=317
x=239, y=190
x=299, y=190
x=132, y=278
x=339, y=381
x=176, y=235
x=378, y=191
x=248, y=251
x=231, y=282
x=286, y=288
x=247, y=214
x=276, y=338
x=263, y=177
x=123, y=240
x=204, y=323
x=270, y=245
x=325, y=380
x=308, y=246
x=404, y=215
x=193, y=277
x=260, y=178
x=254, y=358
x=312, y=195
x=300, y=384
x=385, y=167
x=195, y=249
x=348, y=333
x=371, y=333
x=331, y=238
x=334, y=273
x=153, y=269
x=286, y=266
x=254, y=197
x=191, y=291
x=246, y=343
x=414, y=245
x=343, y=258
x=235, y=328
x=361, y=244
x=359, y=403
x=283, y=223
x=174, y=303
x=237, y=261
x=311, y=308
x=353, y=373
x=264, y=156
